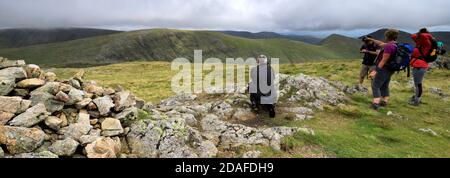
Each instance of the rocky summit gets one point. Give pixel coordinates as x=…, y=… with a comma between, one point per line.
x=42, y=116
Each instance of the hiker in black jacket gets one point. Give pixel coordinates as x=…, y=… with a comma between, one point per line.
x=370, y=51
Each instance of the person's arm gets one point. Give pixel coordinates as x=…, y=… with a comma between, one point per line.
x=377, y=42
x=373, y=52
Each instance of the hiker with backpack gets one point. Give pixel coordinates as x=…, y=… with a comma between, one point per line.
x=262, y=86
x=425, y=52
x=383, y=71
x=370, y=51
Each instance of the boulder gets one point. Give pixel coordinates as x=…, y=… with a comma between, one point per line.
x=6, y=86
x=91, y=87
x=61, y=96
x=83, y=103
x=33, y=71
x=5, y=117
x=123, y=100
x=104, y=105
x=94, y=134
x=20, y=139
x=48, y=99
x=2, y=153
x=50, y=87
x=31, y=116
x=75, y=83
x=66, y=147
x=78, y=129
x=111, y=127
x=5, y=63
x=15, y=105
x=54, y=122
x=75, y=96
x=222, y=109
x=31, y=83
x=13, y=73
x=127, y=114
x=103, y=148
x=50, y=76
x=8, y=78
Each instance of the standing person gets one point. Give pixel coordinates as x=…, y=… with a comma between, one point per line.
x=382, y=75
x=423, y=41
x=370, y=51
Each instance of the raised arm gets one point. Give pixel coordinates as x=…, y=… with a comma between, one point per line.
x=377, y=42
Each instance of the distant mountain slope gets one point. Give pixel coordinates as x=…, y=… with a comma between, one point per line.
x=343, y=45
x=13, y=38
x=164, y=44
x=404, y=37
x=269, y=35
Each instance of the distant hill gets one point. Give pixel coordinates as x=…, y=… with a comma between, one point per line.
x=13, y=38
x=166, y=45
x=404, y=37
x=343, y=45
x=269, y=35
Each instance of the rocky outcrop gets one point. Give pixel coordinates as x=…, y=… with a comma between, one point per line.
x=42, y=116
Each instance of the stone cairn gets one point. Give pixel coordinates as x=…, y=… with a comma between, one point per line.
x=42, y=116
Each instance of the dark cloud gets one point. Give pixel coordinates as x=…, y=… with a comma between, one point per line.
x=252, y=15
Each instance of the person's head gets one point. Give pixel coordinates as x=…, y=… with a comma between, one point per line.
x=391, y=34
x=423, y=30
x=262, y=59
x=366, y=40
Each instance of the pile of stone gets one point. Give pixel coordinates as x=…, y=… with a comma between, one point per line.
x=44, y=117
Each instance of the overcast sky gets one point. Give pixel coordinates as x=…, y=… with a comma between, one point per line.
x=288, y=16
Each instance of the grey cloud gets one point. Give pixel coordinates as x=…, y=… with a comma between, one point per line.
x=253, y=15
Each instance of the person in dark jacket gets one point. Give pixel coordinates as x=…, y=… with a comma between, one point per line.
x=370, y=51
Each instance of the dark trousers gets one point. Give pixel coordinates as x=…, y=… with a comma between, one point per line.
x=380, y=84
x=255, y=99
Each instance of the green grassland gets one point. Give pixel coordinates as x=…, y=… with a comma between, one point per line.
x=350, y=130
x=157, y=44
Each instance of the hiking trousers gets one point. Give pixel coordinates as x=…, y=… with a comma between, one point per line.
x=380, y=84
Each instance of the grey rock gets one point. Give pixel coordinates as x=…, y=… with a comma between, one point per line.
x=13, y=73
x=104, y=105
x=5, y=63
x=111, y=127
x=31, y=116
x=75, y=96
x=83, y=103
x=2, y=153
x=6, y=86
x=94, y=134
x=207, y=149
x=123, y=100
x=54, y=122
x=66, y=147
x=48, y=99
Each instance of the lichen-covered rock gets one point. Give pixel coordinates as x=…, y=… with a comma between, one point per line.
x=5, y=63
x=66, y=147
x=207, y=149
x=31, y=116
x=20, y=139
